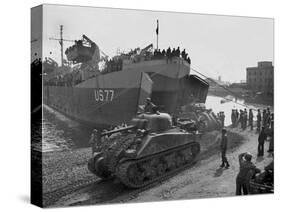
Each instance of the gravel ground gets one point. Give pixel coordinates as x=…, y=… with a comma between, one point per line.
x=67, y=180
x=62, y=171
x=206, y=179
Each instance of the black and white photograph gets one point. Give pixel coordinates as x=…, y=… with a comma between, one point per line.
x=131, y=106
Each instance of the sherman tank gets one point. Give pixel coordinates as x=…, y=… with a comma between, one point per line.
x=204, y=119
x=144, y=152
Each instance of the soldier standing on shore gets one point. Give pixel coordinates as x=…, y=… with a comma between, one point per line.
x=259, y=121
x=270, y=148
x=245, y=118
x=237, y=117
x=261, y=139
x=264, y=117
x=222, y=118
x=251, y=117
x=247, y=170
x=223, y=146
x=268, y=118
x=241, y=118
x=233, y=118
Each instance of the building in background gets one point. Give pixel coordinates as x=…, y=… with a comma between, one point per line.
x=260, y=78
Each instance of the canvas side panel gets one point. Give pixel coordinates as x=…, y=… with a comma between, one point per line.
x=36, y=105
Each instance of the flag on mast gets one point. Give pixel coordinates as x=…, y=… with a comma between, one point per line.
x=157, y=29
x=157, y=32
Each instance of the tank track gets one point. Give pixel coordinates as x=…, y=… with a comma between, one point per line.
x=166, y=165
x=111, y=157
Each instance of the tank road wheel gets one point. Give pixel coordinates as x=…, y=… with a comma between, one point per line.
x=101, y=168
x=171, y=161
x=187, y=155
x=195, y=149
x=151, y=168
x=95, y=165
x=152, y=172
x=161, y=168
x=179, y=160
x=135, y=175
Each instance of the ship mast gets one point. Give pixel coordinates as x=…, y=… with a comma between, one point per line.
x=61, y=44
x=61, y=40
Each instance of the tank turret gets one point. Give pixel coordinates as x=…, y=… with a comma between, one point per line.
x=143, y=152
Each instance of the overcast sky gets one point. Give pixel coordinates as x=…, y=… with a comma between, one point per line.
x=217, y=45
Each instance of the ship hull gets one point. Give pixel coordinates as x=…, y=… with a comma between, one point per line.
x=85, y=105
x=113, y=98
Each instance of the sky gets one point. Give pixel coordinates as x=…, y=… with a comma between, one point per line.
x=217, y=45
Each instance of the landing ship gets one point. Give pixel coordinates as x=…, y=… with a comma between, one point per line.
x=110, y=96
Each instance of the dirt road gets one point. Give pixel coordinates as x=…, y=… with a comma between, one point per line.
x=206, y=179
x=68, y=182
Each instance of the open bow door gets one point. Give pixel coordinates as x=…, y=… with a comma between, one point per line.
x=145, y=89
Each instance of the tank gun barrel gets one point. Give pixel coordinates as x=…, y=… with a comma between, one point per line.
x=117, y=130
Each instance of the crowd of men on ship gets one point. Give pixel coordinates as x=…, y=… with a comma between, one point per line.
x=170, y=53
x=113, y=65
x=67, y=80
x=244, y=119
x=116, y=63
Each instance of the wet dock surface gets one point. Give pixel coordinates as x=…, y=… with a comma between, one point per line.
x=61, y=133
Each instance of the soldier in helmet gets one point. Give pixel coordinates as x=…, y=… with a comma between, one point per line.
x=264, y=117
x=241, y=119
x=148, y=108
x=233, y=118
x=261, y=139
x=251, y=117
x=178, y=52
x=247, y=170
x=245, y=118
x=223, y=147
x=222, y=118
x=258, y=121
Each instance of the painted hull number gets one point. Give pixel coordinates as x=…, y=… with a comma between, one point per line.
x=104, y=95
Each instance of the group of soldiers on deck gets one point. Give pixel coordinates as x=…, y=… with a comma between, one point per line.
x=170, y=53
x=113, y=65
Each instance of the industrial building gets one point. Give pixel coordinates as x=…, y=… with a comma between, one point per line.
x=260, y=78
